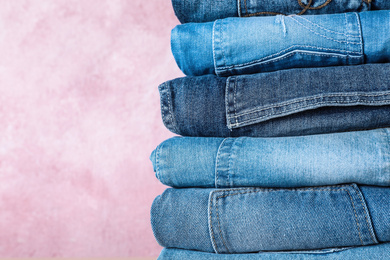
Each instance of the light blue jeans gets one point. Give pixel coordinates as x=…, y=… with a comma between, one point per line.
x=207, y=11
x=245, y=220
x=234, y=46
x=361, y=157
x=376, y=252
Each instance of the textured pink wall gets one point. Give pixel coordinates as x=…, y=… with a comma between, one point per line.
x=79, y=116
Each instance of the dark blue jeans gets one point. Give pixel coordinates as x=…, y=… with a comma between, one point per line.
x=282, y=103
x=206, y=11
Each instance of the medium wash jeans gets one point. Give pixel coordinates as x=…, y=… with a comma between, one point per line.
x=282, y=103
x=207, y=11
x=361, y=157
x=235, y=46
x=244, y=220
x=381, y=251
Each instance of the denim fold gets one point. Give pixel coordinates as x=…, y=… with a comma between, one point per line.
x=235, y=46
x=361, y=157
x=245, y=220
x=198, y=11
x=281, y=103
x=380, y=251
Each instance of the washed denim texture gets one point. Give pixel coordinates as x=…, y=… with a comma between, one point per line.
x=207, y=11
x=381, y=251
x=247, y=220
x=361, y=157
x=282, y=103
x=234, y=46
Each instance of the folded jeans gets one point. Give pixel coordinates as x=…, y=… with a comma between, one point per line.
x=245, y=220
x=207, y=11
x=361, y=157
x=282, y=103
x=235, y=46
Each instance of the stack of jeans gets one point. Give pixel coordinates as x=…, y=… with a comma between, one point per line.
x=285, y=121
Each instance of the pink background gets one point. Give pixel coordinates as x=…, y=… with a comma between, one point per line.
x=79, y=116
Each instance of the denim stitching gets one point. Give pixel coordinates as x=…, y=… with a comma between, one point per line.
x=331, y=39
x=272, y=115
x=234, y=98
x=230, y=161
x=213, y=44
x=256, y=191
x=217, y=162
x=365, y=215
x=227, y=90
x=300, y=100
x=323, y=28
x=211, y=224
x=158, y=173
x=170, y=109
x=284, y=56
x=360, y=32
x=346, y=38
x=289, y=48
x=222, y=42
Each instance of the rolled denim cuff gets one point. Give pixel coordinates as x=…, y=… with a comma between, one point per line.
x=198, y=11
x=380, y=251
x=247, y=220
x=283, y=103
x=235, y=46
x=361, y=157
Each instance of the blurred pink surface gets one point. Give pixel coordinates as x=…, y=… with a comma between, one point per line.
x=80, y=115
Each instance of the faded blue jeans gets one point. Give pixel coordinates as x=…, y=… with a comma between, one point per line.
x=245, y=220
x=381, y=251
x=207, y=11
x=281, y=103
x=235, y=46
x=361, y=157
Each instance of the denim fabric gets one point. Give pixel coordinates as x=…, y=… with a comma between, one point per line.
x=235, y=46
x=282, y=103
x=207, y=11
x=381, y=251
x=361, y=157
x=247, y=220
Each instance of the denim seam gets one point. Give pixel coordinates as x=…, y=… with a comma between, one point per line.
x=227, y=107
x=346, y=37
x=323, y=28
x=170, y=109
x=234, y=98
x=217, y=162
x=158, y=173
x=317, y=103
x=360, y=32
x=319, y=34
x=222, y=42
x=315, y=189
x=210, y=210
x=274, y=115
x=296, y=109
x=211, y=225
x=289, y=48
x=213, y=45
x=365, y=215
x=284, y=56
